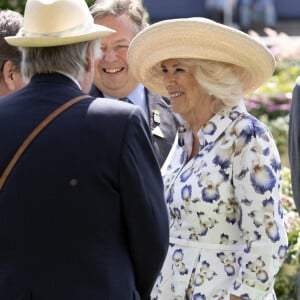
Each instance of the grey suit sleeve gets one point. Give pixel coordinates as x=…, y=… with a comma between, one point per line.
x=294, y=144
x=143, y=203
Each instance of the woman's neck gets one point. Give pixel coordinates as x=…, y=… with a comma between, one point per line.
x=197, y=120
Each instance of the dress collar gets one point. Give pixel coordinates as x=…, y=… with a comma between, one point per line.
x=212, y=130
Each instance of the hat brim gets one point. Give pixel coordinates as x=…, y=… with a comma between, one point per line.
x=95, y=32
x=197, y=38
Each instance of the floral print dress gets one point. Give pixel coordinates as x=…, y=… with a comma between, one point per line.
x=227, y=234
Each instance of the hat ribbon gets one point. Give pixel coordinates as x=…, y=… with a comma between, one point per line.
x=81, y=28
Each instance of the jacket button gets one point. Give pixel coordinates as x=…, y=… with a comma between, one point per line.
x=73, y=182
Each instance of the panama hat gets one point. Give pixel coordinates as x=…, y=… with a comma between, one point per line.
x=197, y=38
x=50, y=23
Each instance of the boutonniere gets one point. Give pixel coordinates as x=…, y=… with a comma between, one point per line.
x=156, y=116
x=157, y=131
x=156, y=120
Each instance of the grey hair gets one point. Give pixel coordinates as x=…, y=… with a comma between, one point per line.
x=133, y=8
x=10, y=24
x=69, y=59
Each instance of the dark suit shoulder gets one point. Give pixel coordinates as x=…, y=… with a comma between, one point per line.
x=108, y=108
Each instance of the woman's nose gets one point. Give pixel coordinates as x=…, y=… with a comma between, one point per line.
x=169, y=78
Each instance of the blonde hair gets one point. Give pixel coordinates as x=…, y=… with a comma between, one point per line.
x=223, y=82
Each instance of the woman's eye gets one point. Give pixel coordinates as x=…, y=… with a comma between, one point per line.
x=179, y=70
x=122, y=46
x=173, y=71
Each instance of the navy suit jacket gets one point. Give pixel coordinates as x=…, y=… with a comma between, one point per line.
x=294, y=143
x=168, y=122
x=82, y=215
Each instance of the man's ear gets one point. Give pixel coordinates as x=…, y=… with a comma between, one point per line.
x=8, y=73
x=86, y=79
x=90, y=58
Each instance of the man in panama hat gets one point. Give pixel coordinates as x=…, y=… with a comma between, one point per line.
x=82, y=215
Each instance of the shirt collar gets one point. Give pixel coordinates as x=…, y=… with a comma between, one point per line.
x=137, y=97
x=71, y=77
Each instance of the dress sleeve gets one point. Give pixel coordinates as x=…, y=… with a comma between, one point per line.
x=257, y=182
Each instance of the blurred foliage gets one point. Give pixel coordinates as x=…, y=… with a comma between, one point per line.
x=19, y=5
x=286, y=279
x=271, y=102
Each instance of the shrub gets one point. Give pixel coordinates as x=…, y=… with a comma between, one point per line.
x=271, y=102
x=271, y=105
x=286, y=279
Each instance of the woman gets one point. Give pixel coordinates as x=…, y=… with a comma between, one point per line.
x=222, y=176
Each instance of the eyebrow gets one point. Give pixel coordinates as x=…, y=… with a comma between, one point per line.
x=121, y=41
x=172, y=66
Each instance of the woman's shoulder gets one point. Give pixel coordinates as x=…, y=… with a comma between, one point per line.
x=246, y=129
x=247, y=122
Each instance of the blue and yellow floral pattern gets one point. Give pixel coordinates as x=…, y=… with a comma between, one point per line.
x=227, y=233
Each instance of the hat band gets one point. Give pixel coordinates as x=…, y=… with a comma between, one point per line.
x=78, y=29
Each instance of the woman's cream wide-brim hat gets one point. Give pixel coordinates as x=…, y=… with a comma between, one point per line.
x=197, y=38
x=50, y=23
